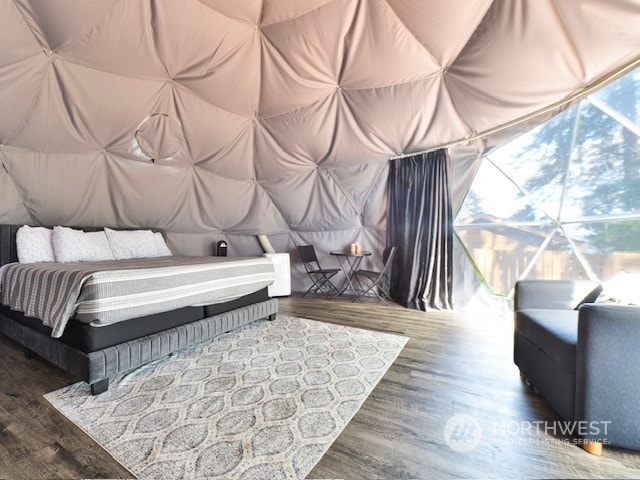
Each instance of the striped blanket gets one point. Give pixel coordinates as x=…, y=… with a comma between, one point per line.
x=107, y=292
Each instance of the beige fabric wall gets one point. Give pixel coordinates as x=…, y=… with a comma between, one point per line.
x=284, y=112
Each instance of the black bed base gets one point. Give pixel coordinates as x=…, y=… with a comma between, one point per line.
x=88, y=338
x=97, y=367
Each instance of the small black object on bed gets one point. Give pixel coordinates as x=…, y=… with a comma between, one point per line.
x=95, y=354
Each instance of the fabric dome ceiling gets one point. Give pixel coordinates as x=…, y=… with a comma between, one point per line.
x=283, y=113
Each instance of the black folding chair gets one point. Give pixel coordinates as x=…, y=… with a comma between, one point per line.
x=321, y=277
x=377, y=282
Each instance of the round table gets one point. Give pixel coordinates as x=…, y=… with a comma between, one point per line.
x=349, y=263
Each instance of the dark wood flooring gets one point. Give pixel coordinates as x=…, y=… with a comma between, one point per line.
x=453, y=364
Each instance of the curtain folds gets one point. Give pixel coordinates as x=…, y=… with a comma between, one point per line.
x=420, y=224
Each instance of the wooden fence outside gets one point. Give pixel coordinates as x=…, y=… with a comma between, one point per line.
x=502, y=268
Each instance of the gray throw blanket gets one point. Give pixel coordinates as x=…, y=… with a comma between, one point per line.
x=107, y=292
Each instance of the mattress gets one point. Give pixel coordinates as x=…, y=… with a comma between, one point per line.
x=90, y=338
x=103, y=293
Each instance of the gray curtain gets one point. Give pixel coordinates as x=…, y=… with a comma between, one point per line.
x=420, y=224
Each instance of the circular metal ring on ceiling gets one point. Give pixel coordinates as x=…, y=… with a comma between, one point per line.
x=159, y=136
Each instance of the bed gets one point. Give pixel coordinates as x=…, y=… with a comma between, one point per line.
x=87, y=336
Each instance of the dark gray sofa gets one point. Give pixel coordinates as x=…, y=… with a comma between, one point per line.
x=582, y=357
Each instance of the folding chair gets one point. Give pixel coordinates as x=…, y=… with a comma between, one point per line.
x=377, y=282
x=321, y=277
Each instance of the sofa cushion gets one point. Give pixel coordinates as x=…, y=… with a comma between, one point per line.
x=554, y=331
x=555, y=294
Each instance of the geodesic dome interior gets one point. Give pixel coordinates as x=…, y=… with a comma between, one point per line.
x=214, y=119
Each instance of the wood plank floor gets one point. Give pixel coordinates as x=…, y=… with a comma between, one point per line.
x=454, y=363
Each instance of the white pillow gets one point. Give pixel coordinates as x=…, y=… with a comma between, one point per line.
x=33, y=244
x=71, y=245
x=136, y=244
x=622, y=289
x=161, y=246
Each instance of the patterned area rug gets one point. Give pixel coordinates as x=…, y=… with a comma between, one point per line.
x=263, y=401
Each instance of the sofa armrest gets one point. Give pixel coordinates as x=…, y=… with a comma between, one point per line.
x=554, y=294
x=608, y=372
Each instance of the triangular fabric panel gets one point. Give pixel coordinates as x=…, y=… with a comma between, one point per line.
x=12, y=210
x=82, y=199
x=316, y=192
x=455, y=20
x=357, y=180
x=62, y=22
x=15, y=32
